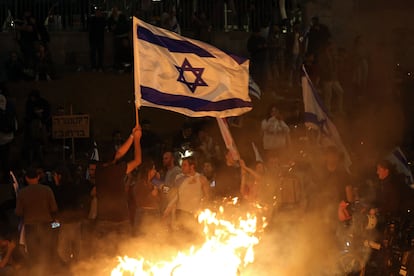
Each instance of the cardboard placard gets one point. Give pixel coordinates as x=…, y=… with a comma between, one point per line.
x=70, y=126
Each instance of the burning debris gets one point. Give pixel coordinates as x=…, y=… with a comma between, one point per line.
x=227, y=249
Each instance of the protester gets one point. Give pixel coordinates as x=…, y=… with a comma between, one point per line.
x=193, y=190
x=97, y=25
x=329, y=79
x=37, y=207
x=318, y=36
x=388, y=191
x=276, y=133
x=112, y=215
x=228, y=178
x=334, y=186
x=147, y=194
x=71, y=214
x=28, y=37
x=325, y=191
x=168, y=188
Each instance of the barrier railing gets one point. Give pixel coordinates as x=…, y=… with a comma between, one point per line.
x=71, y=15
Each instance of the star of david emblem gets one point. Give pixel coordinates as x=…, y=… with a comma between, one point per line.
x=197, y=72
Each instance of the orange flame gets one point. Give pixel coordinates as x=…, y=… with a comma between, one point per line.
x=227, y=248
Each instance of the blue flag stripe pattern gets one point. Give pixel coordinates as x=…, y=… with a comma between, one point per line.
x=315, y=116
x=194, y=104
x=179, y=46
x=173, y=45
x=187, y=76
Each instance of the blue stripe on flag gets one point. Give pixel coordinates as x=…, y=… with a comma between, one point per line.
x=173, y=45
x=315, y=113
x=195, y=104
x=315, y=93
x=311, y=118
x=239, y=60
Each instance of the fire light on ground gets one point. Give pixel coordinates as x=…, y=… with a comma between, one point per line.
x=228, y=248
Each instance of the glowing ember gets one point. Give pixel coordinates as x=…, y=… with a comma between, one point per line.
x=227, y=248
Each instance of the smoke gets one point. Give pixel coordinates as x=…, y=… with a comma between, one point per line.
x=297, y=242
x=302, y=244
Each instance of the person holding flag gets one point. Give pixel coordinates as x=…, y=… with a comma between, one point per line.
x=190, y=77
x=112, y=207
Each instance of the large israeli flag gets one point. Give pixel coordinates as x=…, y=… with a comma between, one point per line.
x=316, y=117
x=187, y=76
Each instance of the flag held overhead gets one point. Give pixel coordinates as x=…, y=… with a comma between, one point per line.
x=187, y=76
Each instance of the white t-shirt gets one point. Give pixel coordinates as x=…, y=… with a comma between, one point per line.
x=190, y=193
x=275, y=133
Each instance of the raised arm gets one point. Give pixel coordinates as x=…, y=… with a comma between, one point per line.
x=250, y=171
x=123, y=149
x=136, y=137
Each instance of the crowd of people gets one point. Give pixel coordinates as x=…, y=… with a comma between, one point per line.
x=146, y=180
x=33, y=60
x=60, y=205
x=277, y=52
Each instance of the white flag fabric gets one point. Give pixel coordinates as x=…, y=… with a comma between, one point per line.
x=316, y=117
x=187, y=76
x=95, y=152
x=257, y=153
x=397, y=157
x=228, y=138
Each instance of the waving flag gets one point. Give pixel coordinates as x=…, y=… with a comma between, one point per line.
x=316, y=117
x=398, y=158
x=187, y=76
x=228, y=138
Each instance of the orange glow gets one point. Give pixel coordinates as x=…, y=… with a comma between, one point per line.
x=227, y=249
